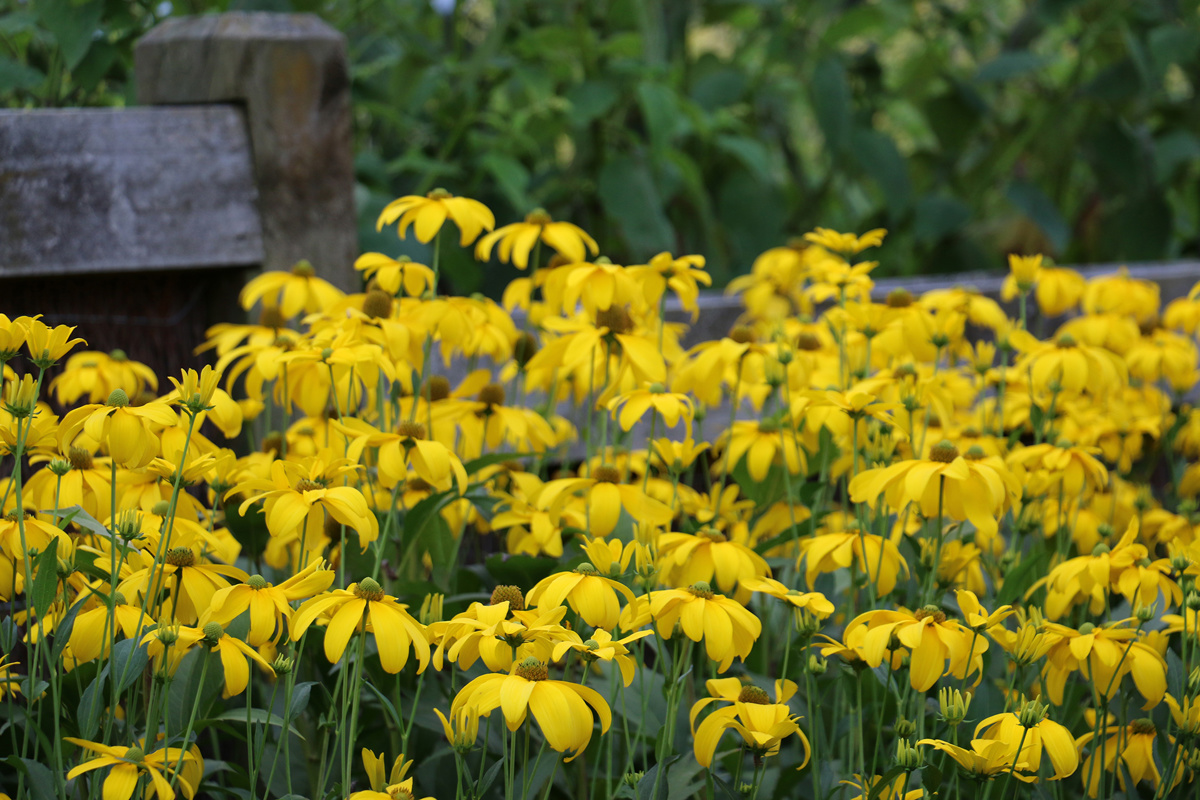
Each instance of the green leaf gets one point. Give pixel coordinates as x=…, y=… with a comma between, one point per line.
x=832, y=102
x=631, y=199
x=15, y=75
x=878, y=156
x=1172, y=150
x=62, y=631
x=1010, y=65
x=660, y=109
x=258, y=716
x=45, y=581
x=127, y=661
x=250, y=529
x=301, y=693
x=855, y=22
x=41, y=780
x=590, y=100
x=751, y=152
x=1034, y=203
x=936, y=217
x=1172, y=44
x=73, y=25
x=1022, y=577
x=512, y=178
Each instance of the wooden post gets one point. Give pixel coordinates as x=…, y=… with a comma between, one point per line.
x=290, y=73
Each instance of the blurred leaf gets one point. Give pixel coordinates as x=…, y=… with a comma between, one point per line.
x=877, y=154
x=832, y=102
x=14, y=75
x=858, y=21
x=95, y=65
x=1172, y=44
x=511, y=176
x=752, y=153
x=1172, y=150
x=74, y=25
x=1140, y=230
x=45, y=579
x=631, y=199
x=591, y=99
x=660, y=110
x=1034, y=203
x=1007, y=66
x=936, y=217
x=522, y=571
x=41, y=780
x=718, y=88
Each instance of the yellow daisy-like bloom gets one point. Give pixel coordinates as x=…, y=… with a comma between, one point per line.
x=88, y=640
x=845, y=243
x=561, y=708
x=463, y=729
x=394, y=274
x=606, y=495
x=1119, y=293
x=386, y=785
x=630, y=407
x=292, y=292
x=1036, y=734
x=710, y=556
x=601, y=646
x=427, y=215
x=986, y=759
x=763, y=727
x=1065, y=364
x=763, y=443
x=517, y=240
x=433, y=462
x=361, y=608
x=877, y=557
x=1134, y=745
x=813, y=603
x=591, y=595
x=47, y=345
x=129, y=764
x=97, y=374
x=297, y=495
x=946, y=483
x=932, y=639
x=1104, y=655
x=267, y=606
x=1058, y=289
x=682, y=275
x=725, y=626
x=1061, y=466
x=1025, y=270
x=122, y=428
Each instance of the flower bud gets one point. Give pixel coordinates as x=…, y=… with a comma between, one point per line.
x=905, y=728
x=817, y=665
x=908, y=756
x=953, y=706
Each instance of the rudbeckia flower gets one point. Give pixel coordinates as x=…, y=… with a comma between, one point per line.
x=601, y=646
x=427, y=215
x=875, y=556
x=683, y=275
x=710, y=556
x=845, y=243
x=938, y=645
x=629, y=407
x=591, y=595
x=88, y=639
x=763, y=727
x=386, y=785
x=267, y=606
x=292, y=292
x=813, y=603
x=517, y=240
x=1037, y=734
x=502, y=633
x=561, y=708
x=1061, y=467
x=725, y=626
x=433, y=461
x=606, y=495
x=1134, y=745
x=1070, y=366
x=946, y=483
x=986, y=759
x=97, y=374
x=130, y=764
x=122, y=428
x=763, y=443
x=361, y=608
x=1058, y=290
x=1104, y=655
x=47, y=345
x=394, y=274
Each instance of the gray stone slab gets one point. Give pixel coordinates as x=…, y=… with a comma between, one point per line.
x=97, y=190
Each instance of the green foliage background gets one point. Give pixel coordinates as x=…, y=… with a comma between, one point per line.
x=967, y=129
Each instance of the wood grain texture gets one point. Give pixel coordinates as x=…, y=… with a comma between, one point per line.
x=96, y=190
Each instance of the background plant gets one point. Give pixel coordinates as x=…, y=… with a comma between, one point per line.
x=968, y=130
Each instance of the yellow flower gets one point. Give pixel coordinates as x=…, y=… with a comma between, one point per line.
x=97, y=374
x=763, y=727
x=1025, y=270
x=464, y=730
x=267, y=606
x=1134, y=744
x=47, y=345
x=606, y=496
x=877, y=557
x=591, y=595
x=1058, y=290
x=427, y=215
x=129, y=764
x=88, y=640
x=517, y=240
x=846, y=243
x=292, y=292
x=433, y=461
x=1104, y=655
x=1070, y=366
x=946, y=483
x=122, y=428
x=1060, y=467
x=1035, y=734
x=986, y=759
x=12, y=336
x=195, y=390
x=669, y=405
x=561, y=708
x=726, y=627
x=386, y=785
x=364, y=607
x=601, y=646
x=392, y=274
x=710, y=556
x=932, y=639
x=682, y=275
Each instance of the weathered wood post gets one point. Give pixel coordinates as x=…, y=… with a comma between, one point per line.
x=140, y=225
x=290, y=73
